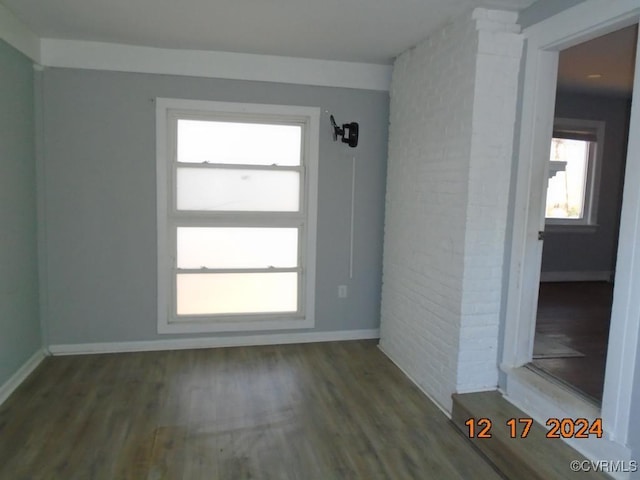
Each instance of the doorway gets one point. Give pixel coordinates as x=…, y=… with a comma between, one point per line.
x=582, y=210
x=538, y=396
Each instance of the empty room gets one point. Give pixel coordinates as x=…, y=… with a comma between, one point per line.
x=284, y=240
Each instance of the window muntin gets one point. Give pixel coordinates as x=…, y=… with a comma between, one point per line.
x=240, y=216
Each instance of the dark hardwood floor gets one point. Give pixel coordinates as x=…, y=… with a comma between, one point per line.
x=316, y=411
x=578, y=315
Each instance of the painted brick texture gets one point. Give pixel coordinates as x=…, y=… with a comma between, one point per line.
x=450, y=146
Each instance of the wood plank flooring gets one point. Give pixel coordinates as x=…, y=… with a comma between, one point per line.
x=577, y=314
x=315, y=411
x=534, y=457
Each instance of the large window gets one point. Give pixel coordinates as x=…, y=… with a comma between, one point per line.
x=237, y=189
x=574, y=173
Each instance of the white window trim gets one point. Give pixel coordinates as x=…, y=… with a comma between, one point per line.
x=589, y=221
x=310, y=116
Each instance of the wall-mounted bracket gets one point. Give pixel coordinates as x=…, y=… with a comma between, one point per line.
x=348, y=132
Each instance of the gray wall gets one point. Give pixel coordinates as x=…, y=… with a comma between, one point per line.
x=19, y=323
x=99, y=192
x=594, y=251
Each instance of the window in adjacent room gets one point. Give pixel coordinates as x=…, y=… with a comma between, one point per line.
x=237, y=189
x=574, y=173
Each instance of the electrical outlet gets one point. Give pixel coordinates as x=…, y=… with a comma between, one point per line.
x=342, y=291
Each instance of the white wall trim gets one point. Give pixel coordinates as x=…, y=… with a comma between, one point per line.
x=618, y=399
x=199, y=63
x=213, y=342
x=578, y=23
x=21, y=375
x=16, y=34
x=577, y=276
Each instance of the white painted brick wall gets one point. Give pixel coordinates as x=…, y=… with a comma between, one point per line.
x=450, y=142
x=496, y=84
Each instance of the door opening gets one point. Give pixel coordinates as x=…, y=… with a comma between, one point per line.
x=582, y=210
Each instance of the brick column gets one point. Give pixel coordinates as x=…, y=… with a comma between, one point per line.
x=450, y=147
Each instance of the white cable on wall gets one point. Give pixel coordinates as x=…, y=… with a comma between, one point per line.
x=353, y=205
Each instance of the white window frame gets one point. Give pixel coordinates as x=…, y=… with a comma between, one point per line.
x=589, y=220
x=168, y=217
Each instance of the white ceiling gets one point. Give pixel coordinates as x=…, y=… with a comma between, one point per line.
x=369, y=31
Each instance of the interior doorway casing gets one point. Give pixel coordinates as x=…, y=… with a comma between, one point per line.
x=578, y=24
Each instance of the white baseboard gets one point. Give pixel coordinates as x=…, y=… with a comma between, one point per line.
x=578, y=276
x=213, y=342
x=426, y=394
x=20, y=376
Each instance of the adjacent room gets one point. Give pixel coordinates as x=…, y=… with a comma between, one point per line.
x=279, y=240
x=582, y=209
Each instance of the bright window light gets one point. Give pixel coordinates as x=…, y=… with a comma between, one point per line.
x=201, y=247
x=228, y=189
x=238, y=143
x=567, y=188
x=234, y=293
x=237, y=188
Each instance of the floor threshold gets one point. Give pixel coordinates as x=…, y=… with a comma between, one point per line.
x=483, y=418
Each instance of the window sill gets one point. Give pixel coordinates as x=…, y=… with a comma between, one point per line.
x=569, y=228
x=234, y=326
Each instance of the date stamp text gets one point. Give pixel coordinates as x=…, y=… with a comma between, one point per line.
x=520, y=427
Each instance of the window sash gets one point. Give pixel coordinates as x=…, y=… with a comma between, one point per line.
x=172, y=136
x=267, y=152
x=272, y=184
x=252, y=247
x=223, y=316
x=579, y=189
x=169, y=218
x=236, y=219
x=592, y=132
x=587, y=200
x=300, y=269
x=211, y=222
